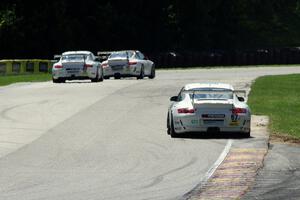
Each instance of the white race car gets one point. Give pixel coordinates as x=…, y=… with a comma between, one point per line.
x=77, y=65
x=129, y=63
x=208, y=107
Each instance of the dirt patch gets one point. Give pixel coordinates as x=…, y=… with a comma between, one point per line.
x=284, y=139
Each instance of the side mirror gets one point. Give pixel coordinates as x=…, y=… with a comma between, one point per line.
x=241, y=99
x=175, y=98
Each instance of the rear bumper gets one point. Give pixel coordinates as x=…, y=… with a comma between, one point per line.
x=125, y=72
x=188, y=124
x=79, y=75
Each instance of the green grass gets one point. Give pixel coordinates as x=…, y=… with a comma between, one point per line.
x=9, y=79
x=279, y=98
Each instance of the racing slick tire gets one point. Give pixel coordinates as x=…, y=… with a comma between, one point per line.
x=171, y=130
x=152, y=75
x=59, y=80
x=246, y=134
x=56, y=80
x=96, y=79
x=102, y=77
x=142, y=74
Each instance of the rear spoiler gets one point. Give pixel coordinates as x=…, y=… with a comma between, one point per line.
x=193, y=92
x=57, y=57
x=103, y=55
x=243, y=92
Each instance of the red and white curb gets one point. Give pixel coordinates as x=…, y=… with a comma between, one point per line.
x=233, y=177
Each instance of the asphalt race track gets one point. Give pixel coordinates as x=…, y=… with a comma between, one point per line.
x=83, y=140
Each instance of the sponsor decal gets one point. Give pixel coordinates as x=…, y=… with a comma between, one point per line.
x=235, y=117
x=234, y=123
x=195, y=121
x=213, y=116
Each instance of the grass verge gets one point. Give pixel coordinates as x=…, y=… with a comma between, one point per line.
x=279, y=98
x=9, y=79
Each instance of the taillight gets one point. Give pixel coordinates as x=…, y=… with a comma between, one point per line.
x=58, y=66
x=104, y=65
x=186, y=110
x=239, y=110
x=88, y=65
x=132, y=63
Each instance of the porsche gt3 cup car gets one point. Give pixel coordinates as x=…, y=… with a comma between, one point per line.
x=208, y=107
x=77, y=65
x=128, y=64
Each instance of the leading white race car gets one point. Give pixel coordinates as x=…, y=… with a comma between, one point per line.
x=208, y=107
x=130, y=63
x=77, y=65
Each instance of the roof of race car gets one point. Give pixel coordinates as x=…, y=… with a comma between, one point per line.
x=192, y=86
x=76, y=52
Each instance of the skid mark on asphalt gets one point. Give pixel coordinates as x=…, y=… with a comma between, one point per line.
x=234, y=176
x=5, y=112
x=160, y=178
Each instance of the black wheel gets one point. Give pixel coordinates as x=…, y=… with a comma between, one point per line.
x=55, y=80
x=59, y=80
x=102, y=77
x=142, y=74
x=96, y=79
x=172, y=130
x=168, y=125
x=246, y=134
x=152, y=75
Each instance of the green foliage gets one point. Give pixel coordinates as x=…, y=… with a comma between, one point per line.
x=31, y=29
x=279, y=98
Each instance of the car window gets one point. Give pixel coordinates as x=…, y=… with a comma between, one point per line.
x=73, y=57
x=122, y=54
x=130, y=54
x=141, y=56
x=205, y=95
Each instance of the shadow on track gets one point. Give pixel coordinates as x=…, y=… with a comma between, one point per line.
x=212, y=135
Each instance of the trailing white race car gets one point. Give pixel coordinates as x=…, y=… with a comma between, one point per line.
x=77, y=65
x=129, y=63
x=208, y=107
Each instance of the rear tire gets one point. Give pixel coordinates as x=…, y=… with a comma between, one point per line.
x=59, y=80
x=171, y=130
x=168, y=125
x=142, y=74
x=102, y=77
x=152, y=75
x=247, y=134
x=96, y=79
x=55, y=80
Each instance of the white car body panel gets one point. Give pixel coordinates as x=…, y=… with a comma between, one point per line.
x=73, y=69
x=131, y=65
x=209, y=114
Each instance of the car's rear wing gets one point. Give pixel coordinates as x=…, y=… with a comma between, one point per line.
x=103, y=55
x=207, y=91
x=238, y=92
x=57, y=57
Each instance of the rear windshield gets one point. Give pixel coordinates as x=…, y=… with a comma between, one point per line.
x=74, y=57
x=213, y=94
x=121, y=54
